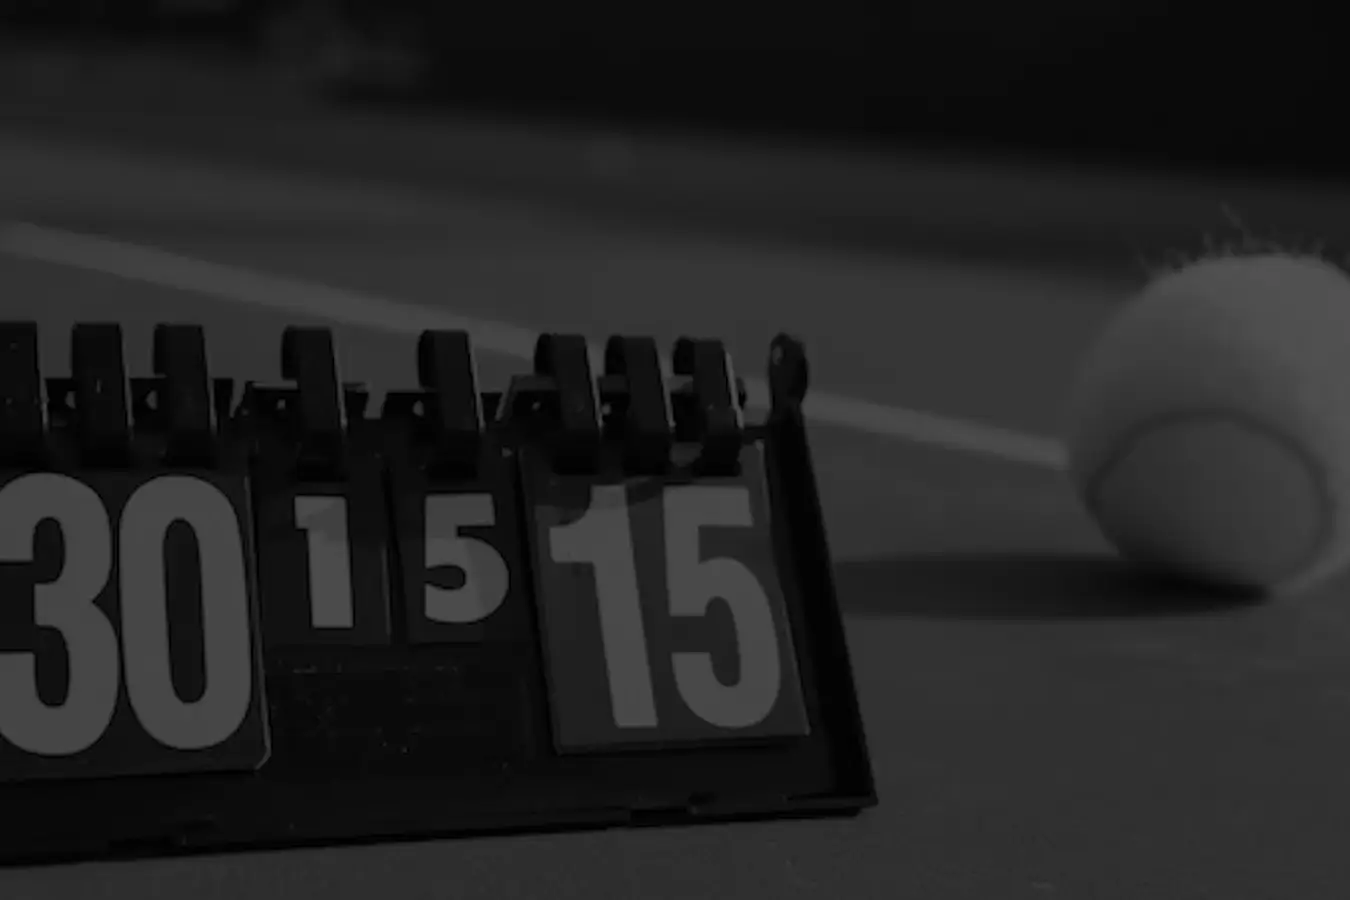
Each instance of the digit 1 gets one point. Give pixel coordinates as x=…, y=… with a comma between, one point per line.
x=324, y=521
x=602, y=539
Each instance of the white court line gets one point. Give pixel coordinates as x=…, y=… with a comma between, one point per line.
x=273, y=292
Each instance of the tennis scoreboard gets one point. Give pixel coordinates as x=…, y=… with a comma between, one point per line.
x=266, y=614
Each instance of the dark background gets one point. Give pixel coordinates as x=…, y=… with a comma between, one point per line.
x=1145, y=82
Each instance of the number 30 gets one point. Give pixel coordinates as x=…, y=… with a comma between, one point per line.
x=603, y=539
x=67, y=605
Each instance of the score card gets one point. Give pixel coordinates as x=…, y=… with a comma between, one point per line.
x=663, y=616
x=275, y=619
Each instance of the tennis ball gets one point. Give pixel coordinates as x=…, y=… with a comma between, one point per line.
x=1209, y=429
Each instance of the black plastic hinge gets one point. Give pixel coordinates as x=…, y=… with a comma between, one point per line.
x=180, y=401
x=23, y=412
x=102, y=407
x=558, y=404
x=445, y=418
x=633, y=390
x=312, y=415
x=707, y=405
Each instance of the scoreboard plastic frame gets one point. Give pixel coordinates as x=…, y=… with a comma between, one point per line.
x=260, y=618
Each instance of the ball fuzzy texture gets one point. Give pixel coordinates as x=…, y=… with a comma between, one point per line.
x=1209, y=430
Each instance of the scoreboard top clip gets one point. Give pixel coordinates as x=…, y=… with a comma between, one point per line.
x=266, y=615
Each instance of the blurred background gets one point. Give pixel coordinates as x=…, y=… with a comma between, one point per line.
x=1144, y=81
x=1096, y=132
x=947, y=201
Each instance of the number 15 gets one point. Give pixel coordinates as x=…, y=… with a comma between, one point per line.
x=602, y=538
